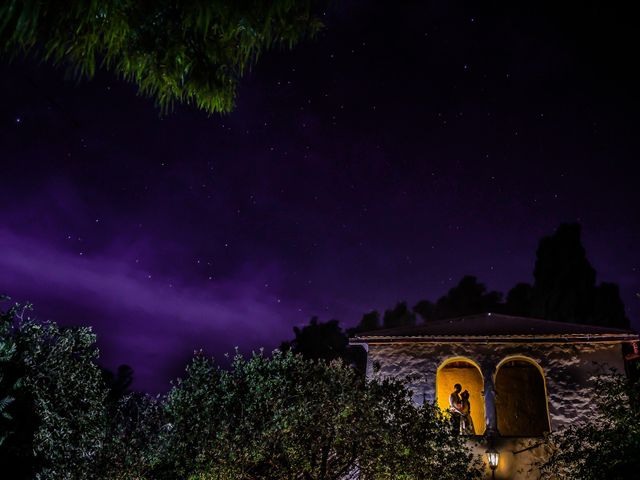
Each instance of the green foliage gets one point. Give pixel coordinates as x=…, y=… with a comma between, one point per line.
x=58, y=411
x=262, y=418
x=132, y=440
x=195, y=409
x=609, y=445
x=286, y=417
x=9, y=384
x=193, y=52
x=420, y=443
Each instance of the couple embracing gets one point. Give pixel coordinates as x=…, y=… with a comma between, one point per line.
x=460, y=410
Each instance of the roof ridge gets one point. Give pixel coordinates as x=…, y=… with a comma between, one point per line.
x=503, y=322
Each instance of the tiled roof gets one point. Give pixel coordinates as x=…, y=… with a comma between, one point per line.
x=490, y=326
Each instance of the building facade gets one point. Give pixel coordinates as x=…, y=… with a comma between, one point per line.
x=524, y=376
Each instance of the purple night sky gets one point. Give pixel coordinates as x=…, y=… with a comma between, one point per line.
x=380, y=162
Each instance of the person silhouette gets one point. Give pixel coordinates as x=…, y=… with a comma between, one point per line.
x=455, y=406
x=466, y=422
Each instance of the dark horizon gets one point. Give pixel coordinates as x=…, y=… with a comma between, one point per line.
x=397, y=152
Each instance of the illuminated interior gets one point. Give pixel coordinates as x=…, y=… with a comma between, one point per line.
x=521, y=400
x=468, y=375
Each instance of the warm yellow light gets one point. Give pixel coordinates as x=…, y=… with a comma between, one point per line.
x=466, y=373
x=493, y=457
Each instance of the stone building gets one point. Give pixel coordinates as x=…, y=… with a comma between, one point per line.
x=525, y=376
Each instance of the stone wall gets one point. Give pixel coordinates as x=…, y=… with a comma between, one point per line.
x=567, y=369
x=519, y=457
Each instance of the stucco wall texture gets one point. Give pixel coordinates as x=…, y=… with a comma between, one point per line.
x=567, y=369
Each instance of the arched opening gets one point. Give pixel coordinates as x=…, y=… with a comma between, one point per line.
x=521, y=398
x=466, y=373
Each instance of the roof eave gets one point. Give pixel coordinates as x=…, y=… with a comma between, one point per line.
x=570, y=338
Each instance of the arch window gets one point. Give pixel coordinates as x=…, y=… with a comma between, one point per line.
x=521, y=398
x=466, y=373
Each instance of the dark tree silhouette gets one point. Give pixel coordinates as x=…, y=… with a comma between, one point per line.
x=466, y=298
x=399, y=316
x=519, y=300
x=328, y=341
x=426, y=310
x=564, y=289
x=319, y=340
x=565, y=283
x=119, y=383
x=369, y=321
x=608, y=307
x=564, y=279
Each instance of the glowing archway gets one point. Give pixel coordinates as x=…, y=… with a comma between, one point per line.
x=522, y=408
x=467, y=373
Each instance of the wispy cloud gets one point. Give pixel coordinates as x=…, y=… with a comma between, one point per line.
x=150, y=318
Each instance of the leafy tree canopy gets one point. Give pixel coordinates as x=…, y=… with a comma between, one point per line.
x=606, y=447
x=192, y=52
x=262, y=418
x=9, y=382
x=287, y=417
x=57, y=409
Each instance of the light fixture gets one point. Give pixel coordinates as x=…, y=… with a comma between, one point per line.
x=493, y=457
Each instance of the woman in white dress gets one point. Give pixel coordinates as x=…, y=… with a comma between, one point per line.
x=466, y=423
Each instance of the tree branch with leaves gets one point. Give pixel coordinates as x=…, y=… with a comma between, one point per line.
x=192, y=52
